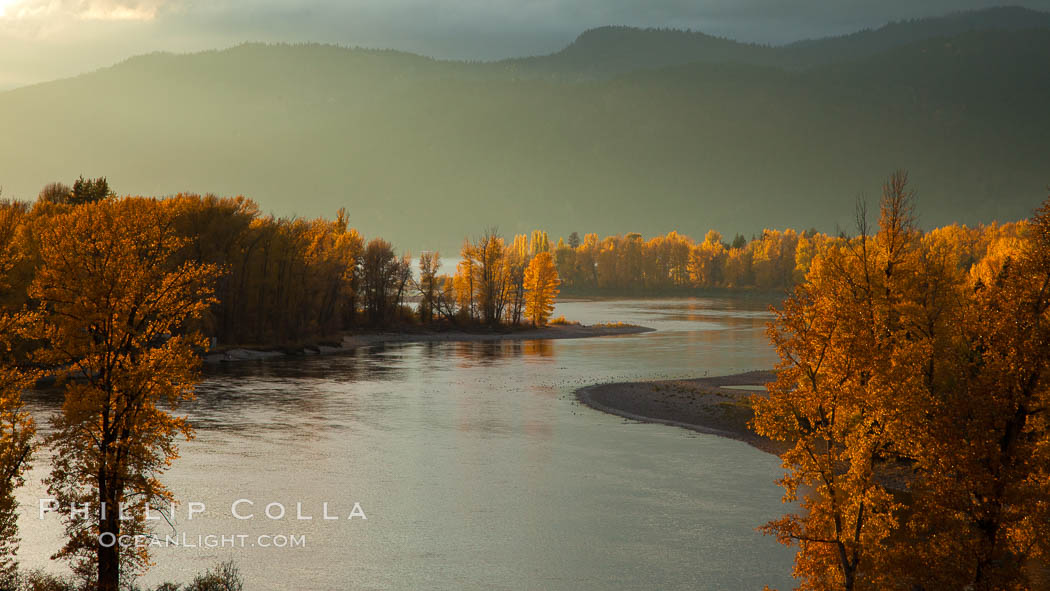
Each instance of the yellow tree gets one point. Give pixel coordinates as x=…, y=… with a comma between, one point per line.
x=895, y=354
x=847, y=363
x=17, y=431
x=537, y=244
x=464, y=284
x=541, y=288
x=587, y=260
x=678, y=250
x=16, y=425
x=982, y=448
x=707, y=261
x=491, y=276
x=117, y=308
x=517, y=258
x=738, y=272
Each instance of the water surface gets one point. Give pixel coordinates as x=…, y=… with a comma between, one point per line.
x=475, y=466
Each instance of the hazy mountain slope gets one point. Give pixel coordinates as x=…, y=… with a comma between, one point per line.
x=610, y=51
x=425, y=152
x=868, y=43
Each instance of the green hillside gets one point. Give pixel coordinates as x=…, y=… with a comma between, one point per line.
x=424, y=152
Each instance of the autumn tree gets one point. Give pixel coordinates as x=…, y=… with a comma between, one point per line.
x=491, y=276
x=845, y=364
x=379, y=280
x=17, y=427
x=402, y=278
x=55, y=193
x=565, y=261
x=463, y=283
x=773, y=258
x=445, y=302
x=17, y=430
x=982, y=448
x=429, y=288
x=738, y=271
x=518, y=255
x=541, y=288
x=221, y=232
x=116, y=302
x=539, y=242
x=482, y=278
x=899, y=353
x=285, y=279
x=707, y=261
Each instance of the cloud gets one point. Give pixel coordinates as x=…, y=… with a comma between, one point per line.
x=103, y=10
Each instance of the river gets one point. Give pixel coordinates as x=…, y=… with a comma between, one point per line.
x=474, y=465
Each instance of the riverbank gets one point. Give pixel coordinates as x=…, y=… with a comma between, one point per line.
x=367, y=339
x=713, y=405
x=774, y=295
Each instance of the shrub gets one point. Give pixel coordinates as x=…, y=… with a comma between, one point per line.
x=38, y=580
x=224, y=577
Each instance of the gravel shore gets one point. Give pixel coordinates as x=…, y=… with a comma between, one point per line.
x=714, y=405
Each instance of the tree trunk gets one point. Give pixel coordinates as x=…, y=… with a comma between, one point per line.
x=108, y=554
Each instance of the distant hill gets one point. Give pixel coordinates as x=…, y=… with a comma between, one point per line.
x=424, y=152
x=612, y=51
x=871, y=42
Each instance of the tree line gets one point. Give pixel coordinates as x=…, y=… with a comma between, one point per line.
x=285, y=281
x=115, y=297
x=773, y=260
x=913, y=393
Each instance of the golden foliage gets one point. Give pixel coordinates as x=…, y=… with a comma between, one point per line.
x=541, y=288
x=17, y=428
x=117, y=299
x=899, y=357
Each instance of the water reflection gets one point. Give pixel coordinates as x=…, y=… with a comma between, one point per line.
x=477, y=467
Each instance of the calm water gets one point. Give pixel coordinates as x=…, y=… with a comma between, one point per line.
x=475, y=466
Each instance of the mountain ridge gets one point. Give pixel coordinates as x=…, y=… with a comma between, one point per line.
x=612, y=50
x=793, y=55
x=424, y=152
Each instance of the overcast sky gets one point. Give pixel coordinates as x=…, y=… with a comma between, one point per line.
x=47, y=39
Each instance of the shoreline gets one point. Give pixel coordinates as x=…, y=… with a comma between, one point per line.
x=708, y=405
x=367, y=339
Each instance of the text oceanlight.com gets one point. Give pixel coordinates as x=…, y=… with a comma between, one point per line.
x=208, y=541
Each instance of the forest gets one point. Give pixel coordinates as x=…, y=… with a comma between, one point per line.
x=905, y=354
x=774, y=260
x=286, y=281
x=290, y=280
